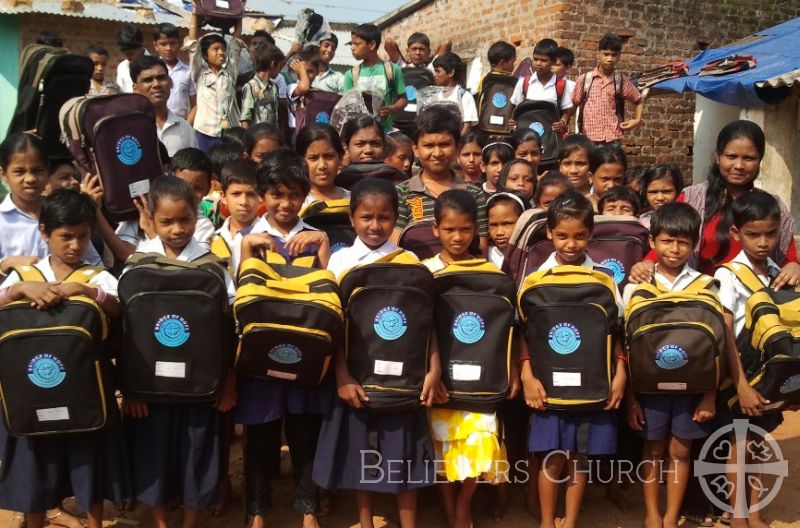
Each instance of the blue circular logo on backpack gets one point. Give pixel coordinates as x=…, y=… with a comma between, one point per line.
x=286, y=354
x=390, y=323
x=46, y=371
x=616, y=268
x=469, y=327
x=537, y=127
x=564, y=338
x=791, y=384
x=172, y=330
x=499, y=100
x=323, y=118
x=670, y=357
x=129, y=150
x=411, y=93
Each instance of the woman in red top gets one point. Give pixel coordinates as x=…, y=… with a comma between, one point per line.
x=740, y=149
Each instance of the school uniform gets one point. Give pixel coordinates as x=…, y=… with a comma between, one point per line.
x=39, y=472
x=175, y=451
x=670, y=414
x=361, y=450
x=234, y=242
x=310, y=199
x=585, y=432
x=496, y=256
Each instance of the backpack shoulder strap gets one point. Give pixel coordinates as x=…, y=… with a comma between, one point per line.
x=588, y=79
x=137, y=258
x=746, y=276
x=355, y=73
x=29, y=274
x=388, y=70
x=561, y=86
x=220, y=248
x=703, y=282
x=526, y=80
x=84, y=274
x=398, y=256
x=619, y=78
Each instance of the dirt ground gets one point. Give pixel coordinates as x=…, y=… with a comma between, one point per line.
x=597, y=511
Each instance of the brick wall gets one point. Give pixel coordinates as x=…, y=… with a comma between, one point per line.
x=660, y=30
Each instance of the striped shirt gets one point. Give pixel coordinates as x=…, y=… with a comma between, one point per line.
x=329, y=81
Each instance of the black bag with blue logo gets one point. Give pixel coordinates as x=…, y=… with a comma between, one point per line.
x=570, y=317
x=617, y=243
x=178, y=329
x=416, y=79
x=333, y=217
x=315, y=108
x=388, y=320
x=494, y=105
x=474, y=319
x=54, y=377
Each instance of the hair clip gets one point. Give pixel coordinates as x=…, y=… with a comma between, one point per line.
x=506, y=195
x=496, y=143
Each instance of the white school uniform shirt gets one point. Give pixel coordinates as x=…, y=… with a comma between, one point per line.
x=234, y=241
x=496, y=256
x=263, y=226
x=203, y=230
x=542, y=92
x=104, y=280
x=128, y=231
x=358, y=254
x=176, y=134
x=192, y=251
x=551, y=262
x=182, y=89
x=733, y=294
x=684, y=278
x=310, y=199
x=462, y=97
x=20, y=236
x=124, y=80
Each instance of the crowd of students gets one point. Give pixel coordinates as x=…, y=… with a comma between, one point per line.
x=244, y=189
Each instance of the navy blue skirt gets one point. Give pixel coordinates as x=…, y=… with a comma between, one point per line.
x=386, y=453
x=587, y=433
x=175, y=454
x=37, y=473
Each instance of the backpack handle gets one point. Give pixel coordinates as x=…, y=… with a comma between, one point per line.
x=288, y=286
x=569, y=269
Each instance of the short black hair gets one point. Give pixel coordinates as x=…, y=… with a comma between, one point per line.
x=451, y=63
x=307, y=135
x=190, y=159
x=553, y=178
x=394, y=140
x=418, y=38
x=610, y=42
x=473, y=136
x=608, y=153
x=501, y=51
x=332, y=38
x=368, y=33
x=260, y=131
x=503, y=150
x=263, y=34
x=145, y=62
x=238, y=138
x=310, y=55
x=574, y=143
x=241, y=171
x=283, y=167
x=438, y=119
x=265, y=55
x=754, y=206
x=676, y=219
x=548, y=48
x=373, y=187
x=96, y=49
x=206, y=41
x=359, y=123
x=129, y=37
x=222, y=153
x=66, y=207
x=165, y=29
x=169, y=186
x=620, y=193
x=571, y=204
x=460, y=201
x=501, y=180
x=503, y=198
x=566, y=56
x=48, y=37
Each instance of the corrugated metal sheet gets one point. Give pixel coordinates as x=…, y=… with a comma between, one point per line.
x=787, y=79
x=138, y=12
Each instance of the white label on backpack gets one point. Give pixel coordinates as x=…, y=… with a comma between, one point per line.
x=566, y=379
x=463, y=372
x=281, y=375
x=53, y=414
x=675, y=386
x=388, y=368
x=139, y=188
x=496, y=120
x=170, y=369
x=223, y=4
x=411, y=107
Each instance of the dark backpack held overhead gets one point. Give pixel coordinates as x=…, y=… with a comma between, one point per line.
x=221, y=14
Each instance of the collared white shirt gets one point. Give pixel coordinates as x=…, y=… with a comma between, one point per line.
x=103, y=279
x=356, y=255
x=733, y=294
x=685, y=277
x=263, y=226
x=551, y=262
x=182, y=89
x=203, y=230
x=543, y=92
x=496, y=256
x=124, y=80
x=176, y=134
x=128, y=231
x=434, y=264
x=234, y=242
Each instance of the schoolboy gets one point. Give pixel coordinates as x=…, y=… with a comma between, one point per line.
x=193, y=166
x=436, y=145
x=565, y=59
x=544, y=85
x=131, y=44
x=448, y=71
x=374, y=74
x=100, y=85
x=601, y=113
x=306, y=65
x=328, y=79
x=669, y=423
x=261, y=95
x=166, y=43
x=418, y=51
x=502, y=57
x=619, y=201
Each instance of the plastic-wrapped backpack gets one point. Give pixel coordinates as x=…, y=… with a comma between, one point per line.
x=353, y=104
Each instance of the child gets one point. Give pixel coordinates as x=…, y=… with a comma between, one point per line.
x=607, y=165
x=241, y=198
x=448, y=71
x=418, y=51
x=467, y=444
x=518, y=177
x=328, y=80
x=175, y=448
x=100, y=85
x=503, y=209
x=260, y=96
x=363, y=139
x=527, y=145
x=167, y=44
x=563, y=63
x=633, y=177
x=306, y=66
x=570, y=221
x=469, y=157
x=238, y=138
x=321, y=148
x=574, y=161
x=266, y=139
x=494, y=156
x=372, y=74
x=346, y=430
x=194, y=167
x=40, y=472
x=63, y=175
x=399, y=152
x=661, y=185
x=130, y=42
x=438, y=133
x=501, y=56
x=551, y=186
x=669, y=423
x=619, y=201
x=600, y=96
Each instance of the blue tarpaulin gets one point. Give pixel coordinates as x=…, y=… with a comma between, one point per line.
x=777, y=52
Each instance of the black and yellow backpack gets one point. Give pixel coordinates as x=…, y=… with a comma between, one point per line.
x=289, y=316
x=570, y=318
x=54, y=377
x=332, y=217
x=675, y=339
x=474, y=321
x=388, y=320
